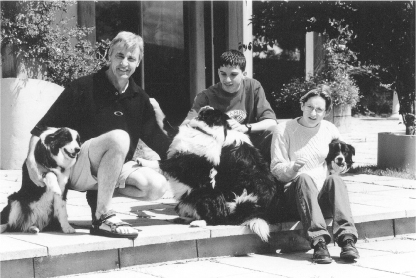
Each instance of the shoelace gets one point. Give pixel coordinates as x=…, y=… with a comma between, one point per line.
x=321, y=245
x=349, y=242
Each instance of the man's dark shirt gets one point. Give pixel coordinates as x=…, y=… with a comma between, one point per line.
x=92, y=106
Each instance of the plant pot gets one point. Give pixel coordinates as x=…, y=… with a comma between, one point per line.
x=397, y=151
x=23, y=104
x=340, y=116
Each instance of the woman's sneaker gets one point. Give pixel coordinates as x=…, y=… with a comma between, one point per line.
x=321, y=254
x=348, y=250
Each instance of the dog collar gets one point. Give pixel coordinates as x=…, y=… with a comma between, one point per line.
x=201, y=130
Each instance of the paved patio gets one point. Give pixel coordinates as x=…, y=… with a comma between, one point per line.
x=382, y=207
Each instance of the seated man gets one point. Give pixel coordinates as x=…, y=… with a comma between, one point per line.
x=111, y=113
x=242, y=98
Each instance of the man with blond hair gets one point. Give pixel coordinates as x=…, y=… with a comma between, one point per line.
x=111, y=113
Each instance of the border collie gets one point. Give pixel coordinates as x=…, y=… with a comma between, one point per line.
x=217, y=176
x=340, y=153
x=33, y=208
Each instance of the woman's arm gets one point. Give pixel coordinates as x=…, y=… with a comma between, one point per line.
x=281, y=166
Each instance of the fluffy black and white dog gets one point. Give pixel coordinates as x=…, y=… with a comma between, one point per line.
x=217, y=176
x=33, y=208
x=341, y=154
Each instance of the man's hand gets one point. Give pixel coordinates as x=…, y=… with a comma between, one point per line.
x=34, y=173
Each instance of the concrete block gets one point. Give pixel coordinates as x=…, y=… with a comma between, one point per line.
x=156, y=253
x=375, y=229
x=156, y=234
x=13, y=249
x=17, y=268
x=52, y=266
x=405, y=225
x=366, y=213
x=232, y=246
x=59, y=243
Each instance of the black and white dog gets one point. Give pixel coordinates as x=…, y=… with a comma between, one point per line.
x=341, y=154
x=33, y=208
x=217, y=175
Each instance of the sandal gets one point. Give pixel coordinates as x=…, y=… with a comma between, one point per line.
x=97, y=227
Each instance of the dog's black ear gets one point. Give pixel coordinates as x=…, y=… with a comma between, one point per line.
x=43, y=155
x=352, y=149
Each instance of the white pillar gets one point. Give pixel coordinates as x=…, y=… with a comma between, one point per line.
x=395, y=107
x=248, y=35
x=309, y=54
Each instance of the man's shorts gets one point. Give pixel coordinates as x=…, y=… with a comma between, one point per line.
x=82, y=179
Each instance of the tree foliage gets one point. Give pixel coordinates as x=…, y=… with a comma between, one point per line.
x=383, y=35
x=34, y=31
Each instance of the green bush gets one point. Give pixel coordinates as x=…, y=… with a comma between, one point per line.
x=63, y=52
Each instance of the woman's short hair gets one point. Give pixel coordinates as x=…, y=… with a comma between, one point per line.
x=322, y=91
x=128, y=40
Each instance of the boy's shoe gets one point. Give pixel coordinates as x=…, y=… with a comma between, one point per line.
x=348, y=250
x=321, y=254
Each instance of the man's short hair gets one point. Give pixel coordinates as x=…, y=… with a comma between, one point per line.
x=233, y=58
x=128, y=40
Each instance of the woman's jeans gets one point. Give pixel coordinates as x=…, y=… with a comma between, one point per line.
x=303, y=198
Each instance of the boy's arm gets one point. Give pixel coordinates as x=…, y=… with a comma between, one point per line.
x=264, y=110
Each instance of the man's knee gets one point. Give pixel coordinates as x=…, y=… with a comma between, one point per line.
x=118, y=140
x=150, y=183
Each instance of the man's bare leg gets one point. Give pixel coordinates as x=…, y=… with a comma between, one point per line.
x=107, y=154
x=145, y=184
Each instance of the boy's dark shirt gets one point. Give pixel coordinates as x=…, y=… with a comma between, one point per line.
x=92, y=106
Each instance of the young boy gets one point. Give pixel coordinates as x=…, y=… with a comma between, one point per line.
x=242, y=98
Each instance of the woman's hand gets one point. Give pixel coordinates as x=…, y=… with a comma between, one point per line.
x=299, y=163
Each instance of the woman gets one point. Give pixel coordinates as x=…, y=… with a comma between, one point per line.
x=299, y=149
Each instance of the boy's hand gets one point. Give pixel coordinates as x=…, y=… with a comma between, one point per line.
x=237, y=126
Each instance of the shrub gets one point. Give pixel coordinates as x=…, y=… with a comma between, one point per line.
x=32, y=30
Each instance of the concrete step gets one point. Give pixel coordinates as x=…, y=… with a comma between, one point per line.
x=381, y=206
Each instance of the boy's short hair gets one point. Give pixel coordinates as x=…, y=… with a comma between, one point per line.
x=233, y=58
x=128, y=40
x=322, y=91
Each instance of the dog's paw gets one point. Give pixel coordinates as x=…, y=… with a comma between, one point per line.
x=198, y=223
x=33, y=230
x=68, y=229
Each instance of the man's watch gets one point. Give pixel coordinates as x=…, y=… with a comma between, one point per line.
x=249, y=128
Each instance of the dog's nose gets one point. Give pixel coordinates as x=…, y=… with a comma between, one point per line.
x=76, y=150
x=340, y=160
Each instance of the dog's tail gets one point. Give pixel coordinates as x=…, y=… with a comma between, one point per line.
x=246, y=212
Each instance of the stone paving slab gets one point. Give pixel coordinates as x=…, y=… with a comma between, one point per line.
x=12, y=249
x=169, y=233
x=58, y=243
